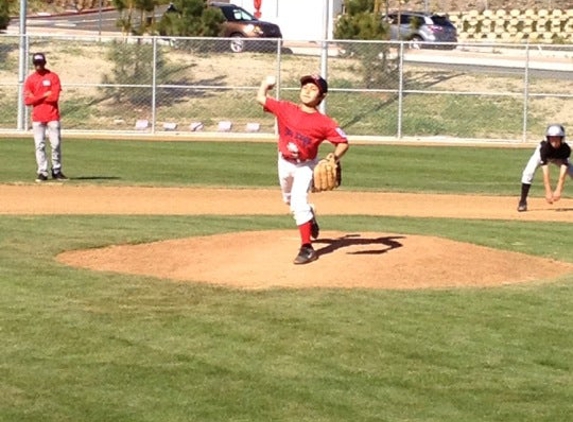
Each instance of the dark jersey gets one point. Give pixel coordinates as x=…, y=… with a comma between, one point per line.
x=548, y=153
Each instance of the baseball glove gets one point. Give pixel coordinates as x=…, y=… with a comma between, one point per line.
x=327, y=174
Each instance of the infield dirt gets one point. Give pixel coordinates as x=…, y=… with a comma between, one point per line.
x=262, y=260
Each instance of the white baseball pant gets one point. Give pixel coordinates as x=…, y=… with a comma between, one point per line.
x=295, y=180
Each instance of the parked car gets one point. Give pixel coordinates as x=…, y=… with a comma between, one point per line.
x=422, y=30
x=244, y=30
x=240, y=24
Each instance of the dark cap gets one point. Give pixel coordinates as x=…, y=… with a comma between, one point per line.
x=318, y=80
x=38, y=58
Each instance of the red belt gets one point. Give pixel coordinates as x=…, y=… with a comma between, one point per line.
x=293, y=160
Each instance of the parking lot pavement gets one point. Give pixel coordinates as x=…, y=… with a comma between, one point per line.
x=538, y=57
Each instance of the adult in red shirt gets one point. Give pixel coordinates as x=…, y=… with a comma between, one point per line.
x=302, y=128
x=42, y=92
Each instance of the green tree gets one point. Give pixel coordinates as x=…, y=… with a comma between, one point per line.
x=133, y=63
x=371, y=6
x=363, y=21
x=191, y=18
x=4, y=14
x=136, y=16
x=132, y=75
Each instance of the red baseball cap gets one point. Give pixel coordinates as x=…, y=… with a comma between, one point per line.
x=318, y=80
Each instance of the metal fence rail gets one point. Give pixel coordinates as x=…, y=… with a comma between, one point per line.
x=378, y=89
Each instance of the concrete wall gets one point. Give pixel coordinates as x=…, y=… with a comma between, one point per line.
x=535, y=26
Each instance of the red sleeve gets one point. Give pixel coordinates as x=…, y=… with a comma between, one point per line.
x=271, y=105
x=335, y=134
x=29, y=98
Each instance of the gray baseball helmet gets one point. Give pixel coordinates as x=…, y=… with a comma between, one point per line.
x=555, y=130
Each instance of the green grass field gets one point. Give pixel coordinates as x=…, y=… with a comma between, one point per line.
x=83, y=346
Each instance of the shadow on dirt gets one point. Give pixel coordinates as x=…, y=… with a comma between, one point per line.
x=383, y=244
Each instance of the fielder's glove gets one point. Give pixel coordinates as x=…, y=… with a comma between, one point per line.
x=327, y=174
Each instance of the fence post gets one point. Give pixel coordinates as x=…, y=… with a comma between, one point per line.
x=525, y=93
x=324, y=69
x=278, y=87
x=400, y=88
x=324, y=52
x=154, y=88
x=22, y=66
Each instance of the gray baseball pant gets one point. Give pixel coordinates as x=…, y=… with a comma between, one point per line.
x=53, y=130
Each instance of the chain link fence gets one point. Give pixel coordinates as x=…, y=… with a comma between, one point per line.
x=378, y=89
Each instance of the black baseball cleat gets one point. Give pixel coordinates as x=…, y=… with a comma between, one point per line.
x=40, y=177
x=58, y=175
x=305, y=255
x=522, y=206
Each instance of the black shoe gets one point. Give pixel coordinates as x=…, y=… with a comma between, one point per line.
x=522, y=206
x=305, y=255
x=58, y=175
x=41, y=177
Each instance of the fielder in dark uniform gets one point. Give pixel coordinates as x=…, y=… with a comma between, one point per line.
x=552, y=150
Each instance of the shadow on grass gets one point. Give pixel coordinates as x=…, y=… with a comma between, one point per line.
x=412, y=84
x=95, y=178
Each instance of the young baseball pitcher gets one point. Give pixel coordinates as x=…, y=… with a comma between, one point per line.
x=301, y=129
x=552, y=150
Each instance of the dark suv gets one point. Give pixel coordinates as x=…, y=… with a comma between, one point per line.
x=422, y=29
x=240, y=25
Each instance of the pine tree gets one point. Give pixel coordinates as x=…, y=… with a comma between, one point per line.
x=4, y=14
x=363, y=21
x=191, y=18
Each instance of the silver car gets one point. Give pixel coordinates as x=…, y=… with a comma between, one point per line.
x=422, y=30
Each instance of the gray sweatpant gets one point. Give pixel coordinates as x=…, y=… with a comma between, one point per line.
x=53, y=131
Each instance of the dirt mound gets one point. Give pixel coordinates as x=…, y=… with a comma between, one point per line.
x=263, y=260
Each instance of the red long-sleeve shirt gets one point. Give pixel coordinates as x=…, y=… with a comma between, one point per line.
x=42, y=91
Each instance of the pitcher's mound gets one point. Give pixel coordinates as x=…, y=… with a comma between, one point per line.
x=263, y=259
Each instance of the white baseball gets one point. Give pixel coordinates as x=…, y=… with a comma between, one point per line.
x=271, y=80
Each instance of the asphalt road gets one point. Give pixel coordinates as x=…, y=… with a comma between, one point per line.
x=105, y=21
x=93, y=20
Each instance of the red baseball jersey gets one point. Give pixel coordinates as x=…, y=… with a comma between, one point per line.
x=300, y=133
x=45, y=109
